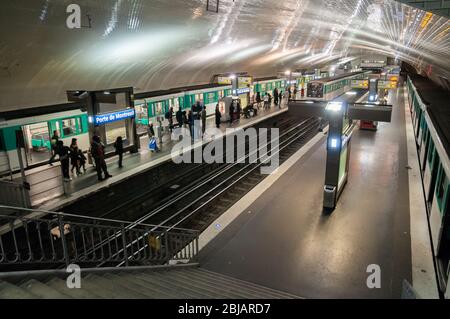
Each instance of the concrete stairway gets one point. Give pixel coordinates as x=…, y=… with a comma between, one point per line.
x=177, y=283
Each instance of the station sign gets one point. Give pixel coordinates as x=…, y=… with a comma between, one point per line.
x=224, y=80
x=241, y=91
x=360, y=84
x=382, y=84
x=102, y=119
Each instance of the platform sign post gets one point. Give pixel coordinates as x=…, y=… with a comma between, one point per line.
x=335, y=113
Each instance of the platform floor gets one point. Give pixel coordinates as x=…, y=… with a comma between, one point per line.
x=283, y=240
x=138, y=162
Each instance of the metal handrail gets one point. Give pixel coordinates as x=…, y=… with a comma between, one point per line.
x=46, y=212
x=56, y=240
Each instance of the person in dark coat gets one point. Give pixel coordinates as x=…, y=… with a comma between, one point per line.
x=74, y=159
x=275, y=96
x=231, y=112
x=150, y=130
x=218, y=116
x=118, y=145
x=179, y=116
x=203, y=116
x=64, y=157
x=190, y=122
x=82, y=160
x=98, y=152
x=258, y=99
x=280, y=97
x=54, y=141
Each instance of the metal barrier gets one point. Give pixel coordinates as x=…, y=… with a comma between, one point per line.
x=14, y=194
x=61, y=239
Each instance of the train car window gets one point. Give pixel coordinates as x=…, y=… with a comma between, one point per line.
x=442, y=184
x=430, y=151
x=69, y=127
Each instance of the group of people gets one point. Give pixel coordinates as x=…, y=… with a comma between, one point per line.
x=74, y=155
x=266, y=101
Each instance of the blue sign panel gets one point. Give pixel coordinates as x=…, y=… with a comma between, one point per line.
x=103, y=119
x=241, y=91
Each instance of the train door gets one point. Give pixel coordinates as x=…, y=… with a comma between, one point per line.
x=37, y=143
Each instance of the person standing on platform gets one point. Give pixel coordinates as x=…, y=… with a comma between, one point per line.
x=54, y=141
x=64, y=157
x=258, y=99
x=98, y=152
x=280, y=97
x=231, y=113
x=266, y=101
x=150, y=130
x=275, y=96
x=203, y=120
x=118, y=145
x=170, y=118
x=82, y=160
x=190, y=122
x=218, y=116
x=295, y=93
x=269, y=105
x=179, y=116
x=74, y=158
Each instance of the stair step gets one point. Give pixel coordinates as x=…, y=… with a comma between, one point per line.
x=113, y=288
x=211, y=289
x=228, y=285
x=81, y=293
x=10, y=291
x=131, y=282
x=41, y=290
x=161, y=289
x=191, y=289
x=265, y=292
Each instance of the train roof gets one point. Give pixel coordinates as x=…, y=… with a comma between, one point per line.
x=436, y=98
x=41, y=110
x=149, y=94
x=338, y=77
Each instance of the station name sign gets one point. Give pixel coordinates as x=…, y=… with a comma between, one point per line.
x=241, y=91
x=102, y=119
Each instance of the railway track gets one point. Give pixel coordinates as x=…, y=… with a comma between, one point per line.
x=199, y=206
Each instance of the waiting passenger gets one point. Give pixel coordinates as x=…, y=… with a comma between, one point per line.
x=82, y=160
x=179, y=117
x=54, y=141
x=63, y=152
x=98, y=152
x=150, y=130
x=258, y=99
x=266, y=101
x=74, y=158
x=218, y=116
x=203, y=115
x=118, y=145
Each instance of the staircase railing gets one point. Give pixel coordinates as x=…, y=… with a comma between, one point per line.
x=57, y=239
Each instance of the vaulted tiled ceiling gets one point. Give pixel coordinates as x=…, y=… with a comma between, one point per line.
x=152, y=44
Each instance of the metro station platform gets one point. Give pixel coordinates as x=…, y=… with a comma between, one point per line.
x=278, y=235
x=134, y=164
